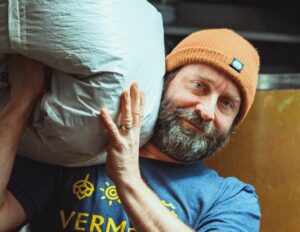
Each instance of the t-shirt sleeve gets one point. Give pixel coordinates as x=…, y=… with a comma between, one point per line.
x=32, y=184
x=237, y=210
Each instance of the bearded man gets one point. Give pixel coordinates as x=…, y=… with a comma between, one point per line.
x=163, y=186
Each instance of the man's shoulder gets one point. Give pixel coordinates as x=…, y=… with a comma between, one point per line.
x=233, y=201
x=197, y=174
x=213, y=201
x=234, y=192
x=229, y=186
x=233, y=188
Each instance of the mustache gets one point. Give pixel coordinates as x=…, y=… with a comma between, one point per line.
x=194, y=118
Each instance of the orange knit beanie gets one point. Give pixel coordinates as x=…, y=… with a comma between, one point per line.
x=226, y=51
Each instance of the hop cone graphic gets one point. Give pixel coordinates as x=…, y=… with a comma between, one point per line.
x=83, y=188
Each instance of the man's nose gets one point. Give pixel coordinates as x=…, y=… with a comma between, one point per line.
x=206, y=109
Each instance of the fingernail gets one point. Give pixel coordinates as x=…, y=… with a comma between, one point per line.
x=126, y=93
x=135, y=85
x=103, y=110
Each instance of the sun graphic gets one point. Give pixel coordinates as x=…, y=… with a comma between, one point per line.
x=110, y=194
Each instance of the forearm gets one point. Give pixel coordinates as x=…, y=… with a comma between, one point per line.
x=13, y=119
x=146, y=211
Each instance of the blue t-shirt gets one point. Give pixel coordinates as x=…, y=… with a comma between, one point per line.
x=85, y=199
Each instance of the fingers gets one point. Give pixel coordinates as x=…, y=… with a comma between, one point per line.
x=132, y=108
x=142, y=105
x=126, y=117
x=110, y=126
x=135, y=104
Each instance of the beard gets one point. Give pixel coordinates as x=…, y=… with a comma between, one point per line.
x=183, y=143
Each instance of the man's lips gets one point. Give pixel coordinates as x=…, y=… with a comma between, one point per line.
x=190, y=124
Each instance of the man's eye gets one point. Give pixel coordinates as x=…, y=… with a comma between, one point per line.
x=198, y=85
x=227, y=103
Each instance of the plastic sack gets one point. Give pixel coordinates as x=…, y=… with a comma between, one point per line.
x=96, y=48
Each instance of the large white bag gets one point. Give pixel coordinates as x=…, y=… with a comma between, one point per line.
x=96, y=48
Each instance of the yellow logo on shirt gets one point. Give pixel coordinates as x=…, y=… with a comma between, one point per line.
x=83, y=188
x=110, y=193
x=84, y=221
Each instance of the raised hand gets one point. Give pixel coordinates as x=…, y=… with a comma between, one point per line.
x=27, y=80
x=123, y=152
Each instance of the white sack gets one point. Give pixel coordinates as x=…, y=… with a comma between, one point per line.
x=96, y=48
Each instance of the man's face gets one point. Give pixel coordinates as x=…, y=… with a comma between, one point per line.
x=196, y=114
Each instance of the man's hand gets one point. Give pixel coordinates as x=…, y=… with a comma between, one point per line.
x=122, y=163
x=144, y=208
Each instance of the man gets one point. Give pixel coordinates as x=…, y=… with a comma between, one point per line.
x=164, y=186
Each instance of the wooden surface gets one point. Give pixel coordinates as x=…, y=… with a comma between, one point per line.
x=265, y=152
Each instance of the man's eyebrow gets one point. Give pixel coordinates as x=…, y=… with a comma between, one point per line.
x=234, y=97
x=206, y=78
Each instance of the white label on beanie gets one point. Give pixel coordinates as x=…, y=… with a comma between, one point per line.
x=237, y=65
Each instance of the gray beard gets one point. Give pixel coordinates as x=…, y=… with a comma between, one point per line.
x=182, y=143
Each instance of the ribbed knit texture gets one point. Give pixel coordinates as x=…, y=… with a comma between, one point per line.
x=218, y=48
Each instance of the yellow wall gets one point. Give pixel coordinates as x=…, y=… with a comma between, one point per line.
x=265, y=152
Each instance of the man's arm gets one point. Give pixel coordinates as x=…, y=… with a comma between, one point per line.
x=145, y=210
x=141, y=204
x=27, y=80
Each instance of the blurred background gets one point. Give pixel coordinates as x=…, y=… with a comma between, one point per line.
x=265, y=150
